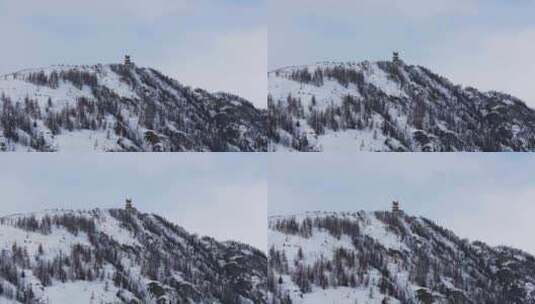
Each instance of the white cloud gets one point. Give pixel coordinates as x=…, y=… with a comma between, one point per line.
x=480, y=196
x=99, y=9
x=155, y=9
x=496, y=216
x=485, y=45
x=225, y=212
x=233, y=62
x=223, y=196
x=306, y=31
x=198, y=42
x=348, y=9
x=425, y=8
x=499, y=60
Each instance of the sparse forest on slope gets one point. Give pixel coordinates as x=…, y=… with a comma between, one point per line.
x=121, y=107
x=122, y=256
x=389, y=257
x=390, y=106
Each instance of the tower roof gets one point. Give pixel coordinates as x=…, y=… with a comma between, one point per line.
x=127, y=60
x=128, y=204
x=396, y=59
x=395, y=207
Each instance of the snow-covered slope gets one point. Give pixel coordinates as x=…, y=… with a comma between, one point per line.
x=390, y=106
x=119, y=256
x=120, y=107
x=385, y=257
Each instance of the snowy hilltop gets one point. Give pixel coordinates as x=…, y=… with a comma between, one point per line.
x=389, y=257
x=122, y=256
x=390, y=106
x=121, y=107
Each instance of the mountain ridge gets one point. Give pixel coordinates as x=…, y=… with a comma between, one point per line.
x=388, y=257
x=122, y=256
x=121, y=107
x=390, y=106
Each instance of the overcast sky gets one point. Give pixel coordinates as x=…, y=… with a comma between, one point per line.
x=219, y=45
x=484, y=43
x=219, y=195
x=481, y=196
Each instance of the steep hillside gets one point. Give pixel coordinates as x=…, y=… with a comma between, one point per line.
x=121, y=107
x=386, y=257
x=120, y=256
x=390, y=106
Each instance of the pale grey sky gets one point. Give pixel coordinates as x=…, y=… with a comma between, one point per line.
x=219, y=45
x=483, y=43
x=215, y=194
x=484, y=196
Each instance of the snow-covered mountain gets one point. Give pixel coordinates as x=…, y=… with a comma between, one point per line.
x=122, y=256
x=389, y=257
x=121, y=107
x=390, y=106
